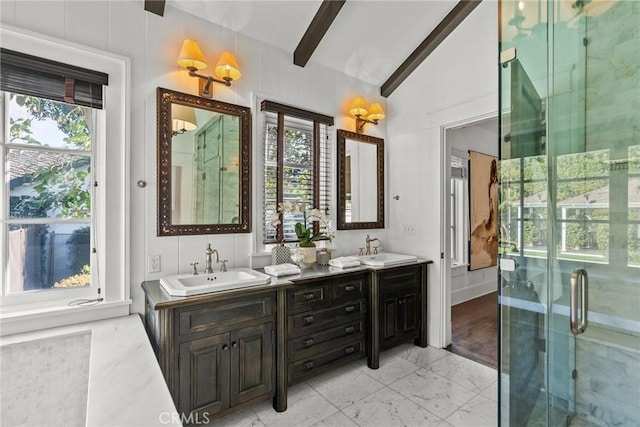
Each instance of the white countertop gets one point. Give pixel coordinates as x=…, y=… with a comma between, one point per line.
x=126, y=386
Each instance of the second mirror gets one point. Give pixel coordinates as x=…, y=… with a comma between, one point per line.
x=360, y=181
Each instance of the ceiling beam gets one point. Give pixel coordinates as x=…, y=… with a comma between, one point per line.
x=428, y=45
x=325, y=15
x=155, y=6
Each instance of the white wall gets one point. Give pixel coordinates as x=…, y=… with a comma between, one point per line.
x=458, y=81
x=153, y=43
x=465, y=284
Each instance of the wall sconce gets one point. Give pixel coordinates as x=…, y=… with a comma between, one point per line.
x=192, y=59
x=373, y=114
x=183, y=119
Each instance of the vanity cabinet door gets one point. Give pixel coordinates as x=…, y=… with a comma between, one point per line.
x=203, y=380
x=251, y=362
x=399, y=308
x=225, y=370
x=398, y=317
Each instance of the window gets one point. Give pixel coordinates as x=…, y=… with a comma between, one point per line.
x=62, y=122
x=49, y=225
x=458, y=209
x=296, y=165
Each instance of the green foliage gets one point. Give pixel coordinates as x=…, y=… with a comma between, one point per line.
x=70, y=120
x=64, y=187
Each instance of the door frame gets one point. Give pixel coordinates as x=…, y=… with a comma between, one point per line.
x=445, y=223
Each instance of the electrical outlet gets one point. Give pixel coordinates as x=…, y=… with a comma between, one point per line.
x=409, y=229
x=153, y=264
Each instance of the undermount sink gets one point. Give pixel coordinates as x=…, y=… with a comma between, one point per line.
x=386, y=258
x=183, y=285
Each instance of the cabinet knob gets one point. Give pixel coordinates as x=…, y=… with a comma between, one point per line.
x=350, y=309
x=400, y=301
x=309, y=297
x=307, y=319
x=309, y=365
x=349, y=329
x=349, y=349
x=234, y=344
x=308, y=342
x=349, y=288
x=225, y=347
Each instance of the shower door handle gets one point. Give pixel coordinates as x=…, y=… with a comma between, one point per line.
x=581, y=278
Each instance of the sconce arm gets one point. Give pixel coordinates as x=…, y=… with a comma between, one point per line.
x=209, y=79
x=360, y=122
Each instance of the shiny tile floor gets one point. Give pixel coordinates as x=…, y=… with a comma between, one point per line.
x=413, y=387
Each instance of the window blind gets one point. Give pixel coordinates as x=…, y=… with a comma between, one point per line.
x=34, y=76
x=297, y=167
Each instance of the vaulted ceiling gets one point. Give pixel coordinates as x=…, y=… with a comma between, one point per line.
x=375, y=41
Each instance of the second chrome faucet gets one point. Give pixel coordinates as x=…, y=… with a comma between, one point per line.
x=209, y=259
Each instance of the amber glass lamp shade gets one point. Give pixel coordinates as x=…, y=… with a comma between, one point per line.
x=376, y=112
x=358, y=108
x=183, y=119
x=191, y=56
x=227, y=67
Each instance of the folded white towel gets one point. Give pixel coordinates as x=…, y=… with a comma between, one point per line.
x=282, y=269
x=346, y=259
x=343, y=264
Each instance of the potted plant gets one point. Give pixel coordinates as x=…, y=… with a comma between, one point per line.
x=307, y=238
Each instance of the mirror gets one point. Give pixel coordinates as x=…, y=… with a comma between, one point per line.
x=360, y=181
x=204, y=165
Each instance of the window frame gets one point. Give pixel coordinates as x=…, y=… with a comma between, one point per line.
x=286, y=116
x=112, y=193
x=43, y=296
x=459, y=194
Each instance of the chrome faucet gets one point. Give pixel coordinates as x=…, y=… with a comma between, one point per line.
x=368, y=241
x=194, y=268
x=209, y=262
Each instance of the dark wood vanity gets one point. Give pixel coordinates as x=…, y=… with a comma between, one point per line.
x=220, y=352
x=326, y=324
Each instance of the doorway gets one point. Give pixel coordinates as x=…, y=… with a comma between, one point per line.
x=462, y=286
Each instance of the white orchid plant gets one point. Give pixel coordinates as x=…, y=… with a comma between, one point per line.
x=304, y=229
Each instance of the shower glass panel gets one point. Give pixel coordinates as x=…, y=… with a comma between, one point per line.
x=570, y=213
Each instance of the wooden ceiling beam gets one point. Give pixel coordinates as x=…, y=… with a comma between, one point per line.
x=428, y=45
x=155, y=6
x=318, y=27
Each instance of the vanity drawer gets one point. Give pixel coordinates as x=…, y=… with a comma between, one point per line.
x=310, y=344
x=308, y=296
x=350, y=289
x=307, y=367
x=214, y=315
x=309, y=320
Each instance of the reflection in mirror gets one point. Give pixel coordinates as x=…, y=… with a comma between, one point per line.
x=203, y=165
x=360, y=181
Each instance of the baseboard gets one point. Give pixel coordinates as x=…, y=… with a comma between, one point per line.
x=472, y=292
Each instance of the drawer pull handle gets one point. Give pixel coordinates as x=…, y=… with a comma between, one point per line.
x=234, y=344
x=309, y=364
x=350, y=309
x=309, y=297
x=349, y=329
x=307, y=319
x=225, y=347
x=349, y=288
x=350, y=349
x=308, y=342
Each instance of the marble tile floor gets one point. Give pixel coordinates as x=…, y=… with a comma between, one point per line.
x=413, y=387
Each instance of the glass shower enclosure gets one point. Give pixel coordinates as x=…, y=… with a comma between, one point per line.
x=570, y=213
